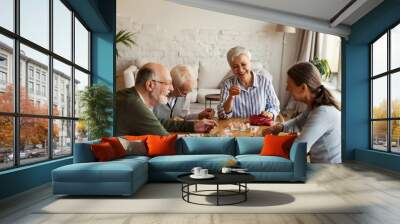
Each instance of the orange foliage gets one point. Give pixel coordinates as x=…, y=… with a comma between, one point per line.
x=33, y=130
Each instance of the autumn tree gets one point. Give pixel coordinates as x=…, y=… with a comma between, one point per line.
x=33, y=130
x=380, y=127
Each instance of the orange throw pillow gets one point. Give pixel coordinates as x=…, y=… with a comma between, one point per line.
x=134, y=138
x=116, y=145
x=278, y=145
x=161, y=145
x=103, y=152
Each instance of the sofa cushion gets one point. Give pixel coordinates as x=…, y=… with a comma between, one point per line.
x=103, y=152
x=83, y=152
x=249, y=145
x=257, y=163
x=134, y=147
x=161, y=145
x=206, y=145
x=211, y=73
x=116, y=145
x=185, y=163
x=277, y=145
x=112, y=171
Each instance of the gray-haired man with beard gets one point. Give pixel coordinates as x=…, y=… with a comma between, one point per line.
x=134, y=106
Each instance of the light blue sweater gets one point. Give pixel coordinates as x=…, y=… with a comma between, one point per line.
x=320, y=128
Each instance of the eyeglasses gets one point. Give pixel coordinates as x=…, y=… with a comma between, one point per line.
x=162, y=82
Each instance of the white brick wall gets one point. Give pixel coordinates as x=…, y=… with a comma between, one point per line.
x=171, y=34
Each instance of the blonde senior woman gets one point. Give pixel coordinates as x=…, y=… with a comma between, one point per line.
x=248, y=92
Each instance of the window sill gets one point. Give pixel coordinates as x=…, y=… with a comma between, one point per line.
x=26, y=167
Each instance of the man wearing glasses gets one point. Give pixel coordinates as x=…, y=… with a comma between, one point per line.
x=178, y=106
x=135, y=106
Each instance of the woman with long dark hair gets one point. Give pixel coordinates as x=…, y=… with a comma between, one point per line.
x=319, y=125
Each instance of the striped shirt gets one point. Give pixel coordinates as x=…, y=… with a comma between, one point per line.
x=251, y=101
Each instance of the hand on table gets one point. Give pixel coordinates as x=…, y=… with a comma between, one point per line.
x=207, y=113
x=267, y=114
x=204, y=126
x=273, y=130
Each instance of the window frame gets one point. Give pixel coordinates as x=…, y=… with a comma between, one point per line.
x=388, y=74
x=16, y=114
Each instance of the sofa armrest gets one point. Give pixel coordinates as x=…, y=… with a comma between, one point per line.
x=298, y=157
x=83, y=152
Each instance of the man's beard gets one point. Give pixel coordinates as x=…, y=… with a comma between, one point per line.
x=163, y=100
x=160, y=99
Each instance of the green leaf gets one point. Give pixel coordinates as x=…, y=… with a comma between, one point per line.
x=97, y=102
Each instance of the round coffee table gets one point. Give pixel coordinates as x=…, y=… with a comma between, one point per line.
x=238, y=179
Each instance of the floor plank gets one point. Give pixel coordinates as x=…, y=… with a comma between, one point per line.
x=377, y=189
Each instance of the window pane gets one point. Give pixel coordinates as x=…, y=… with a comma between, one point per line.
x=81, y=81
x=34, y=72
x=379, y=135
x=379, y=55
x=81, y=131
x=7, y=14
x=395, y=94
x=6, y=142
x=395, y=138
x=395, y=47
x=379, y=98
x=6, y=74
x=62, y=89
x=62, y=29
x=35, y=21
x=81, y=45
x=33, y=139
x=62, y=141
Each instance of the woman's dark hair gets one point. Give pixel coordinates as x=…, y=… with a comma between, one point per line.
x=307, y=73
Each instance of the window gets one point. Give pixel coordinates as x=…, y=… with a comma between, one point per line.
x=38, y=89
x=7, y=14
x=46, y=129
x=37, y=74
x=3, y=78
x=30, y=87
x=43, y=77
x=35, y=22
x=30, y=72
x=81, y=45
x=385, y=96
x=3, y=71
x=44, y=91
x=3, y=61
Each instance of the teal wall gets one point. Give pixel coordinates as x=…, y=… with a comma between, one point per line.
x=100, y=17
x=355, y=96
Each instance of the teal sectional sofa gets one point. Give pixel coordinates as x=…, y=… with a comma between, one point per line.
x=125, y=176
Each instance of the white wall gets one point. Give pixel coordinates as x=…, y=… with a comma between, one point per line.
x=171, y=33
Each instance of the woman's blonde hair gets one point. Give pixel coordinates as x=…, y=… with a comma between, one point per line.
x=307, y=73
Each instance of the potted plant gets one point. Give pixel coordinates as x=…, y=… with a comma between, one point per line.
x=323, y=67
x=96, y=103
x=125, y=38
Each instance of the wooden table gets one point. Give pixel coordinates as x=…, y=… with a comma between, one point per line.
x=236, y=127
x=224, y=128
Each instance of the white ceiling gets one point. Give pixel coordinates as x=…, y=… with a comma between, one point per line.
x=313, y=15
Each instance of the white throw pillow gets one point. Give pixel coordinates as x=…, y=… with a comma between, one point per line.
x=135, y=147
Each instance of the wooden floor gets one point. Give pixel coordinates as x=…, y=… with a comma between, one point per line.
x=378, y=188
